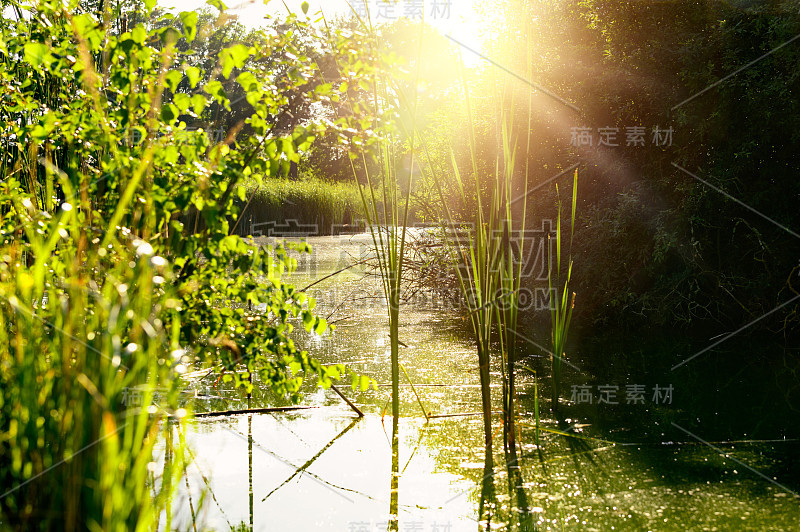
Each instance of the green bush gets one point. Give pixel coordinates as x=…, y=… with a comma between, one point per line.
x=117, y=264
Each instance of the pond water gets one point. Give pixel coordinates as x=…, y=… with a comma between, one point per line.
x=658, y=459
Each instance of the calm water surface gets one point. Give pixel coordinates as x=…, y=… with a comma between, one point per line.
x=647, y=462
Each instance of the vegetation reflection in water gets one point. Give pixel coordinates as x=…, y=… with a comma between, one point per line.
x=118, y=266
x=325, y=468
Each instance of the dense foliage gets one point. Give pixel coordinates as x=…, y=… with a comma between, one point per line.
x=118, y=266
x=655, y=246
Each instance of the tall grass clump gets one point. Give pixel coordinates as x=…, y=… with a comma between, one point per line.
x=81, y=355
x=87, y=323
x=386, y=215
x=484, y=211
x=310, y=201
x=489, y=272
x=509, y=281
x=564, y=300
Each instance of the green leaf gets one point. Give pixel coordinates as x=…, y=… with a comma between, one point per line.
x=189, y=21
x=333, y=373
x=193, y=74
x=304, y=7
x=323, y=89
x=169, y=35
x=247, y=80
x=35, y=53
x=139, y=34
x=172, y=79
x=39, y=133
x=308, y=320
x=234, y=56
x=170, y=154
x=89, y=29
x=169, y=113
x=182, y=101
x=198, y=103
x=218, y=4
x=215, y=89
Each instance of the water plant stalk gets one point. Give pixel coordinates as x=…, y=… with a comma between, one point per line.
x=489, y=272
x=386, y=214
x=561, y=304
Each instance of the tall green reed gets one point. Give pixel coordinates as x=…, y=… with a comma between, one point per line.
x=306, y=201
x=488, y=273
x=490, y=267
x=510, y=281
x=562, y=303
x=388, y=232
x=385, y=201
x=82, y=359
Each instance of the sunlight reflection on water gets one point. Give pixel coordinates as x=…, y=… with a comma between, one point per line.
x=581, y=480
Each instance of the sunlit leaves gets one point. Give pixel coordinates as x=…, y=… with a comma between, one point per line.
x=169, y=113
x=234, y=57
x=182, y=101
x=248, y=81
x=189, y=22
x=172, y=79
x=169, y=35
x=362, y=382
x=89, y=29
x=217, y=4
x=198, y=103
x=36, y=53
x=193, y=75
x=217, y=91
x=251, y=86
x=139, y=34
x=159, y=101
